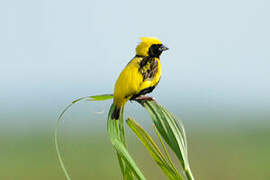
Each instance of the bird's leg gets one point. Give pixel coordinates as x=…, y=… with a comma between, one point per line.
x=144, y=98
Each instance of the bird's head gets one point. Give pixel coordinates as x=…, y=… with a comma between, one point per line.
x=150, y=46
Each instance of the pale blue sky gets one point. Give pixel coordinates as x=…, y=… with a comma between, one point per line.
x=55, y=51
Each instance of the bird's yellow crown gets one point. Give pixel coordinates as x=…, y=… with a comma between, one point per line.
x=147, y=42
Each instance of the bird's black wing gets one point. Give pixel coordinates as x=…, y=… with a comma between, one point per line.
x=148, y=67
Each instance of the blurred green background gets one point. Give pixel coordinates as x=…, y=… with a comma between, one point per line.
x=215, y=78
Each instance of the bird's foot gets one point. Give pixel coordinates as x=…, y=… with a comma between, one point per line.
x=145, y=98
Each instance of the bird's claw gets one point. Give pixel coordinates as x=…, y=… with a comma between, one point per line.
x=145, y=98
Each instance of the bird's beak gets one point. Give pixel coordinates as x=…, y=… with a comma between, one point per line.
x=163, y=48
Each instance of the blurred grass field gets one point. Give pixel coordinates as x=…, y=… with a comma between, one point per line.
x=214, y=154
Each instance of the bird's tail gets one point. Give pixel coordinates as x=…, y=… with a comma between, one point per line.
x=116, y=112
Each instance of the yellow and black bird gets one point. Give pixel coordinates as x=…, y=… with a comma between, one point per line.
x=140, y=76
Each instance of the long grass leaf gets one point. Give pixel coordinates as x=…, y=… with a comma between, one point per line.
x=116, y=133
x=164, y=149
x=172, y=132
x=59, y=120
x=154, y=151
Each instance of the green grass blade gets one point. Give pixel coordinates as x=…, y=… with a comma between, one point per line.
x=128, y=174
x=154, y=151
x=121, y=149
x=164, y=149
x=145, y=138
x=60, y=159
x=180, y=136
x=100, y=97
x=117, y=127
x=172, y=132
x=60, y=118
x=162, y=123
x=116, y=133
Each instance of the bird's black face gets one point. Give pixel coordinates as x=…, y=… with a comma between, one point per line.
x=156, y=49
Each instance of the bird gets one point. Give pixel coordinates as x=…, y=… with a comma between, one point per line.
x=140, y=76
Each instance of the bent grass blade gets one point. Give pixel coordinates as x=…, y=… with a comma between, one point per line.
x=172, y=131
x=154, y=150
x=60, y=118
x=115, y=129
